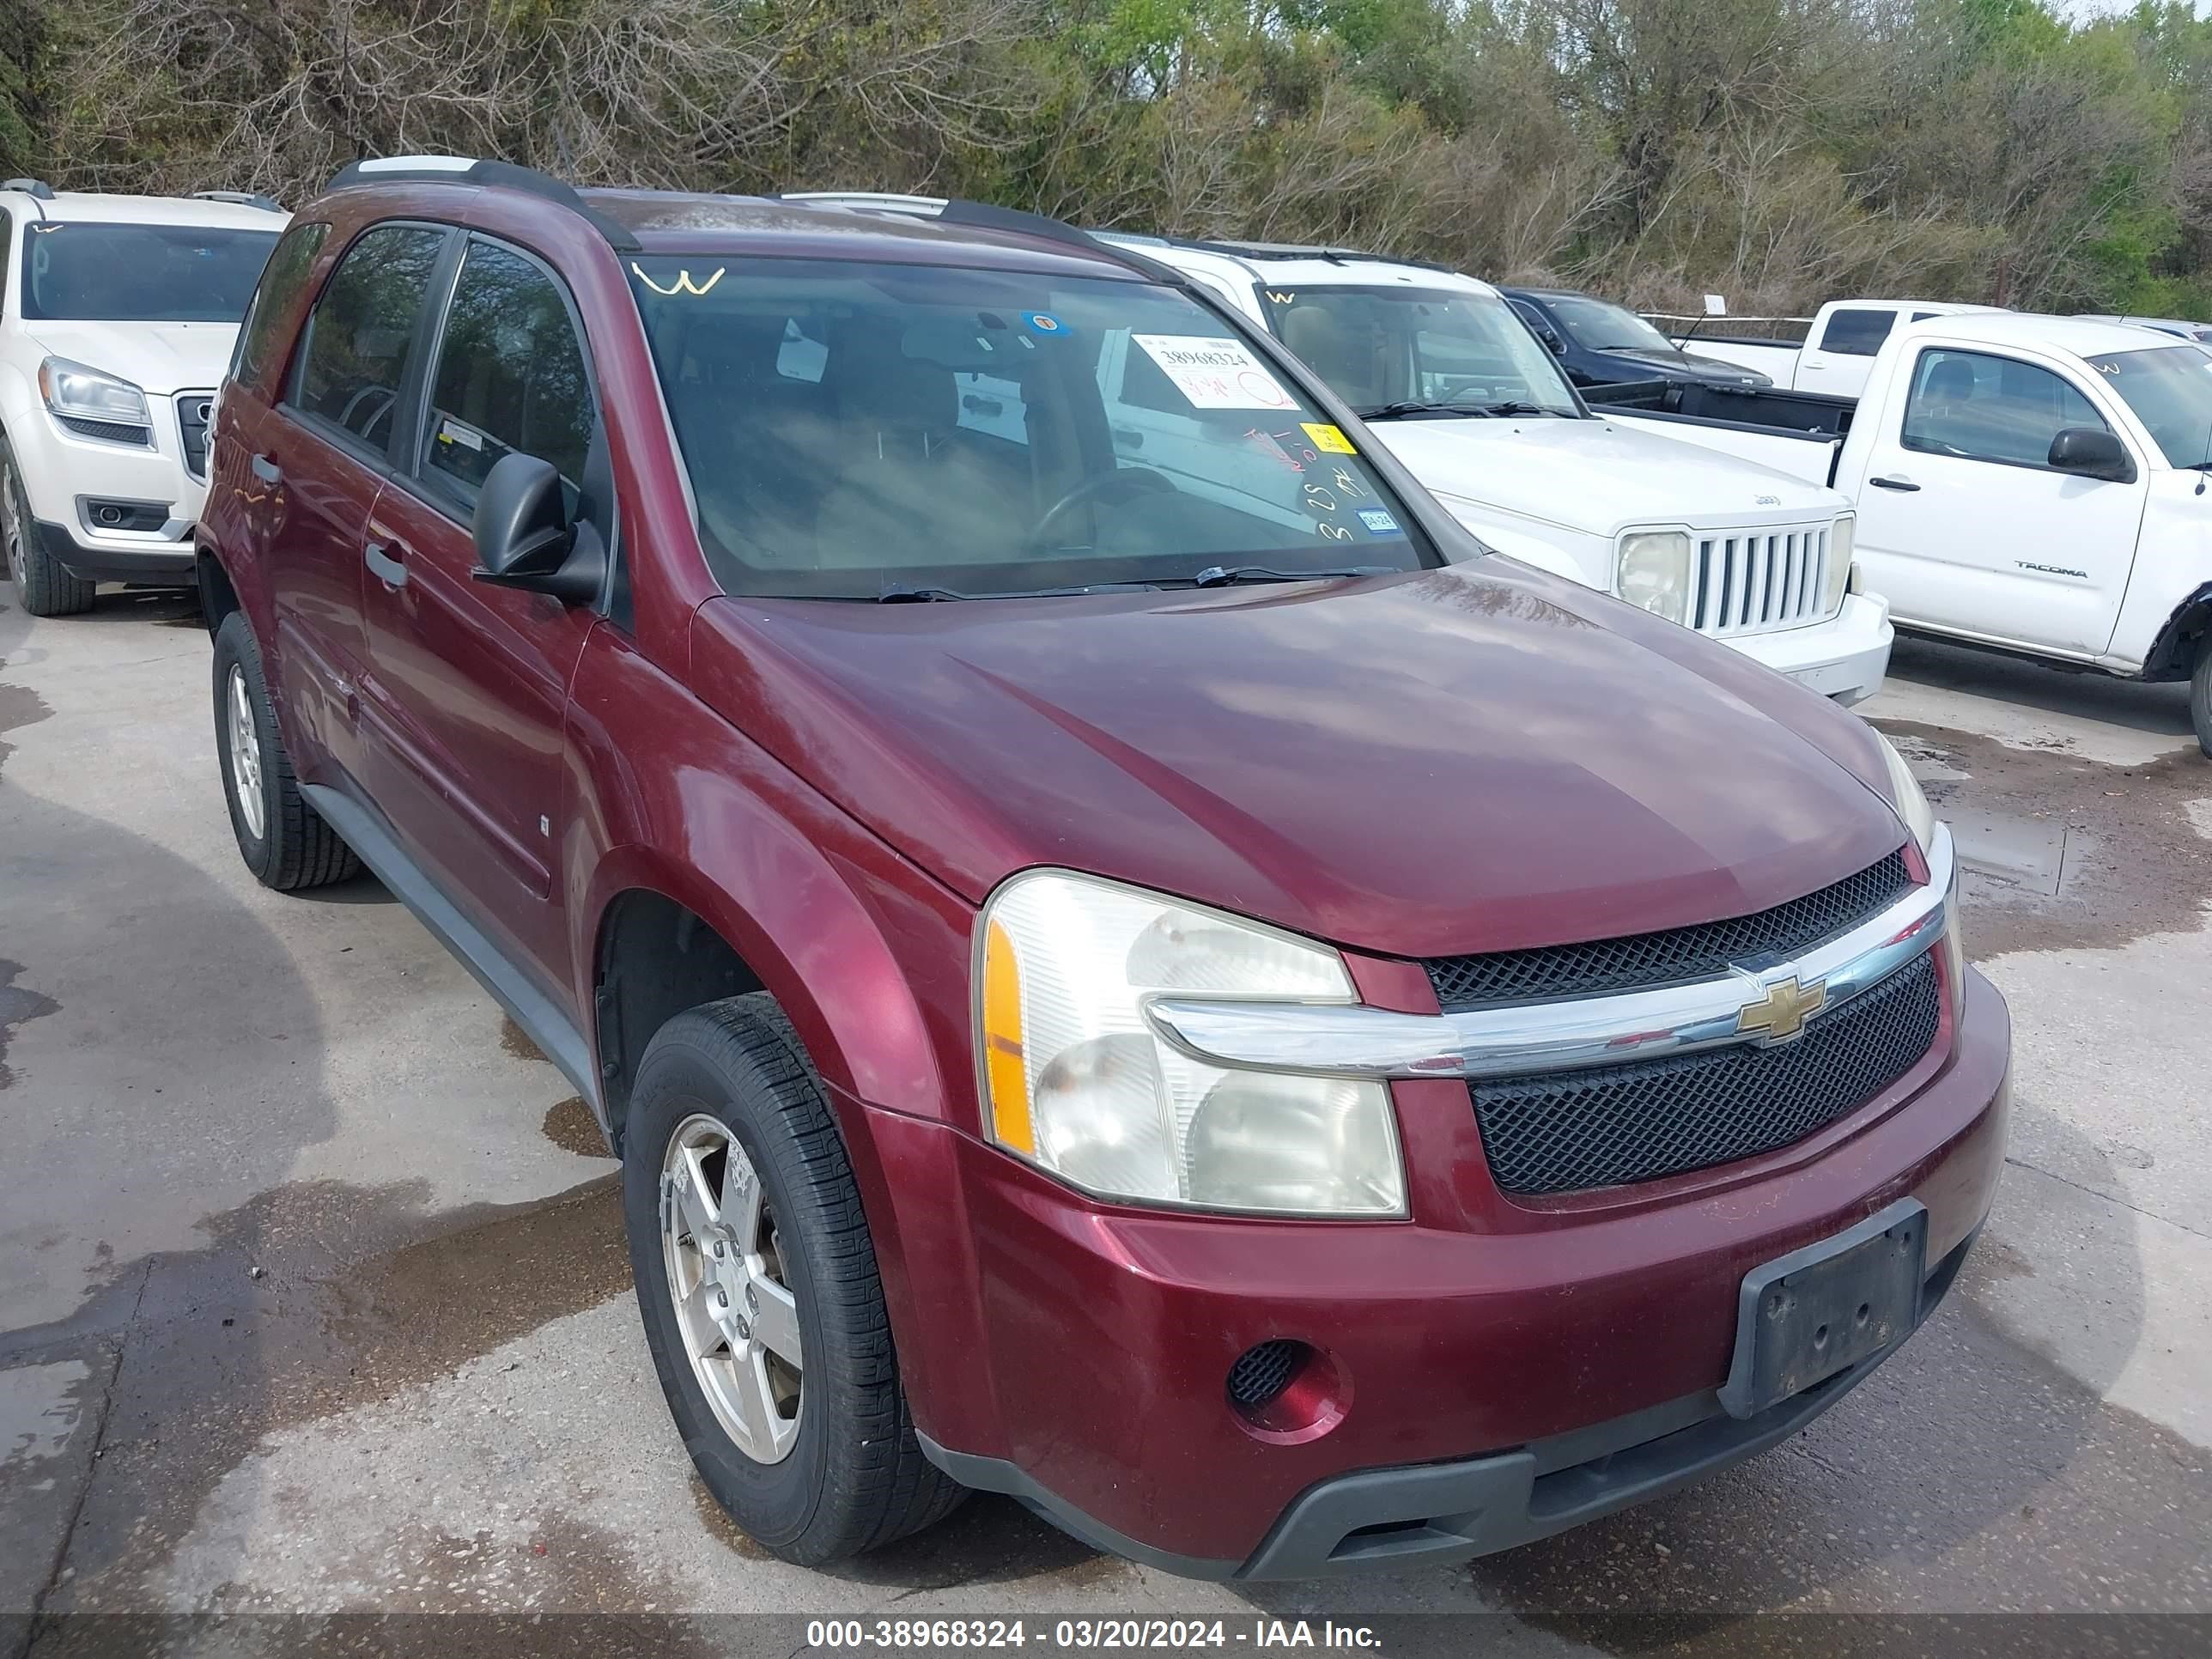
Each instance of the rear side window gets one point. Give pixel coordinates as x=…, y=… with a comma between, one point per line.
x=362, y=326
x=280, y=282
x=511, y=377
x=1985, y=407
x=1857, y=333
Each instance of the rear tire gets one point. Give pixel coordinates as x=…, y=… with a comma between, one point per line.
x=2200, y=694
x=740, y=1204
x=44, y=586
x=283, y=840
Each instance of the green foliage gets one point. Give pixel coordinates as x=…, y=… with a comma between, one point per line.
x=1781, y=151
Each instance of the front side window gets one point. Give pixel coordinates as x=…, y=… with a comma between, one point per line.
x=2170, y=390
x=856, y=429
x=510, y=378
x=1600, y=325
x=82, y=272
x=359, y=336
x=281, y=280
x=1985, y=408
x=1857, y=332
x=1379, y=346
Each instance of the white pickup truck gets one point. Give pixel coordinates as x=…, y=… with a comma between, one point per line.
x=2036, y=484
x=1839, y=346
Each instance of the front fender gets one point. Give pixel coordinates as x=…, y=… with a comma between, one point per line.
x=1521, y=544
x=805, y=896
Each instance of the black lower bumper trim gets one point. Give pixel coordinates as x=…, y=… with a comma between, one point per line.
x=169, y=564
x=1380, y=1520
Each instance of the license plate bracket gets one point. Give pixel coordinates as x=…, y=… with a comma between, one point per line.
x=1802, y=1317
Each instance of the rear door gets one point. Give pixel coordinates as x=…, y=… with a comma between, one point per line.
x=1962, y=523
x=1839, y=354
x=464, y=703
x=314, y=467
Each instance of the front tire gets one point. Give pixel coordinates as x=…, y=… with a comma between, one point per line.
x=757, y=1281
x=44, y=586
x=2200, y=695
x=283, y=840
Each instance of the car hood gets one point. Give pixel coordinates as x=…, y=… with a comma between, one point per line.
x=1598, y=476
x=1689, y=365
x=159, y=358
x=1478, y=757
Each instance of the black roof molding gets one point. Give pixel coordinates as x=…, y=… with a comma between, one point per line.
x=949, y=211
x=240, y=198
x=1301, y=251
x=497, y=175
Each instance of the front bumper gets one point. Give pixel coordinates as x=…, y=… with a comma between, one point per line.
x=1507, y=1370
x=154, y=561
x=63, y=474
x=1843, y=658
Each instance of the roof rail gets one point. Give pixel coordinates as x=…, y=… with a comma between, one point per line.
x=950, y=210
x=240, y=198
x=36, y=189
x=468, y=170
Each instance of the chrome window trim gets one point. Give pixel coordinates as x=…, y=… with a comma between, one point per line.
x=1565, y=1035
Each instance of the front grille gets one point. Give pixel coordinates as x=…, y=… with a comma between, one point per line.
x=1614, y=1125
x=113, y=432
x=1758, y=580
x=1675, y=957
x=195, y=410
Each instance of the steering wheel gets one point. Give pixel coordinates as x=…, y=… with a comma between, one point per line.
x=1137, y=480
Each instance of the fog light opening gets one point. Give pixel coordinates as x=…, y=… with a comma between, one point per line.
x=1286, y=1391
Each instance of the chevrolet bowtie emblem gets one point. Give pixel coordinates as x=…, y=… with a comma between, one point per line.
x=1782, y=1012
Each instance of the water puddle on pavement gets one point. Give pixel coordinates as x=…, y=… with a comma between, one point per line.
x=2060, y=852
x=313, y=1299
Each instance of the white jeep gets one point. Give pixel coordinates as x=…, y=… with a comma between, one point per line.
x=118, y=314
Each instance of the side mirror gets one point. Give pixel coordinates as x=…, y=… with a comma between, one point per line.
x=2090, y=451
x=525, y=539
x=1550, y=337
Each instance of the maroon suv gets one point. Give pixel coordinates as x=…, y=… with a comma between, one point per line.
x=1130, y=962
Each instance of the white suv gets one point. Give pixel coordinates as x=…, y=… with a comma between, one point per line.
x=118, y=314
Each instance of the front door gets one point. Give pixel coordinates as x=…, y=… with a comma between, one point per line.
x=314, y=469
x=467, y=690
x=1964, y=526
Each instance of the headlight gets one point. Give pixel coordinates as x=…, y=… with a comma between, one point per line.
x=1905, y=789
x=87, y=394
x=1078, y=1082
x=1841, y=536
x=1653, y=572
x=1920, y=818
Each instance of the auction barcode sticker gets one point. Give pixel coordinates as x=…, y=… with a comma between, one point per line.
x=1214, y=373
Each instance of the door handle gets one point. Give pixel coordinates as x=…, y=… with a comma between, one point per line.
x=266, y=469
x=382, y=559
x=1893, y=483
x=1128, y=437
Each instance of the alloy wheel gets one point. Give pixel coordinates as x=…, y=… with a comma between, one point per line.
x=11, y=526
x=733, y=1302
x=245, y=754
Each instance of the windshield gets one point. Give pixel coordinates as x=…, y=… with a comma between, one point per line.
x=107, y=273
x=2170, y=389
x=856, y=429
x=1380, y=346
x=1598, y=325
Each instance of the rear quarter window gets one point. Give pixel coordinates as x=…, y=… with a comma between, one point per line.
x=1857, y=332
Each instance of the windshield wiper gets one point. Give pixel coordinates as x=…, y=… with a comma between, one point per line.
x=1522, y=409
x=923, y=594
x=1405, y=407
x=1220, y=576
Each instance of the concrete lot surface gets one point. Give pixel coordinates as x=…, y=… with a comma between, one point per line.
x=312, y=1298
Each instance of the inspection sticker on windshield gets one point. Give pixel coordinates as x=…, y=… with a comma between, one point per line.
x=1329, y=440
x=1378, y=522
x=1214, y=373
